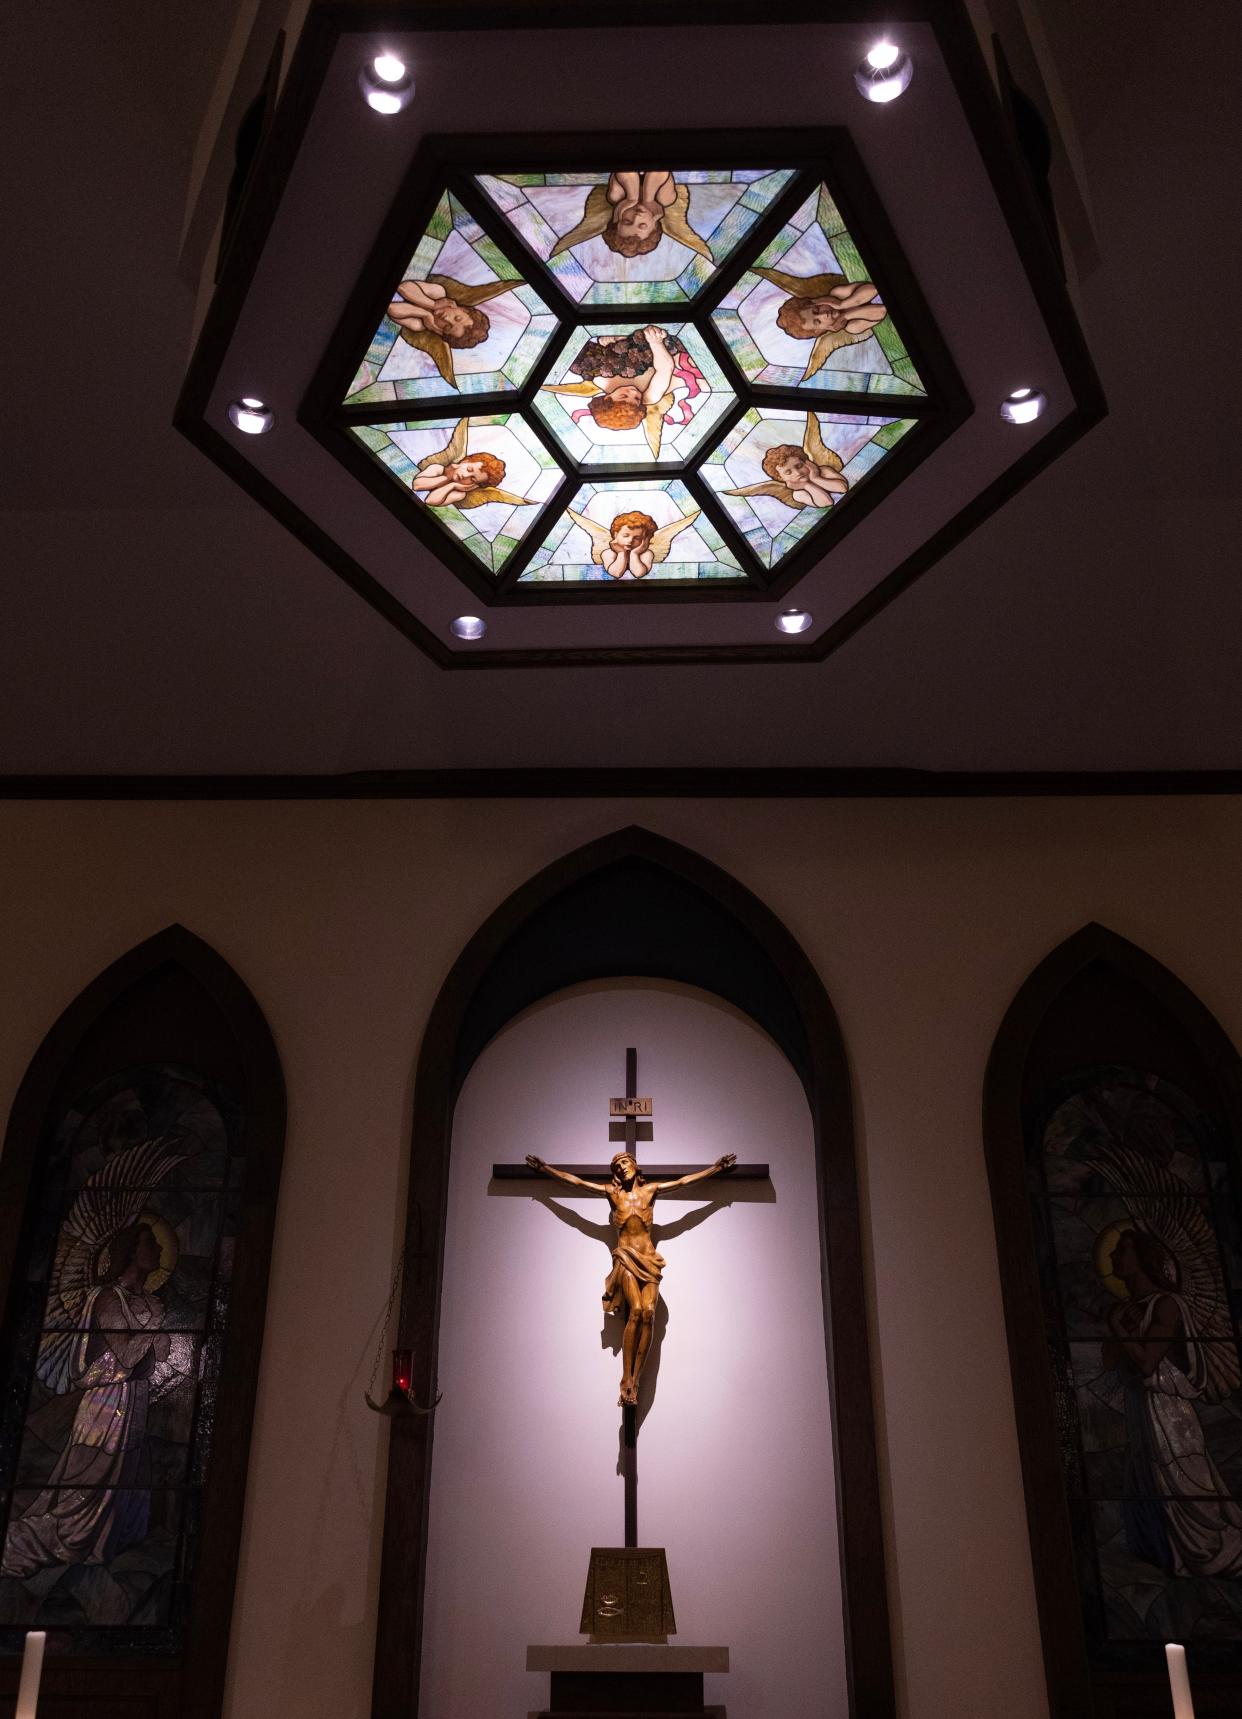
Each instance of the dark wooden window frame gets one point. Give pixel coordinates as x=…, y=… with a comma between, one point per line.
x=1074, y=1688
x=189, y=1685
x=453, y=1027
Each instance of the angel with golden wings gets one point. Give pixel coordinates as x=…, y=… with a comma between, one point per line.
x=630, y=379
x=809, y=476
x=440, y=316
x=632, y=543
x=1171, y=1344
x=103, y=1340
x=828, y=309
x=633, y=212
x=454, y=477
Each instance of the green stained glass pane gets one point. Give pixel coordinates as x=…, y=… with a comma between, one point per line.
x=460, y=321
x=782, y=474
x=632, y=531
x=807, y=314
x=483, y=479
x=634, y=238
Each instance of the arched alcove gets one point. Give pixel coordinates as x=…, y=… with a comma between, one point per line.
x=633, y=904
x=152, y=1116
x=1112, y=1116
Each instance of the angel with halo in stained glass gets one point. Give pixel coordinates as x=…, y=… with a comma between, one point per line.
x=645, y=377
x=828, y=309
x=633, y=212
x=440, y=316
x=1171, y=1341
x=453, y=477
x=632, y=543
x=103, y=1340
x=809, y=476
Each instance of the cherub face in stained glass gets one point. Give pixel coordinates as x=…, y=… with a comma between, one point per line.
x=631, y=236
x=633, y=394
x=631, y=531
x=778, y=471
x=483, y=478
x=460, y=321
x=807, y=314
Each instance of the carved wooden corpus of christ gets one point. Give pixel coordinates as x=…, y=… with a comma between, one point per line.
x=633, y=1284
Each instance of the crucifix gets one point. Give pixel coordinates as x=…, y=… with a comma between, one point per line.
x=633, y=1284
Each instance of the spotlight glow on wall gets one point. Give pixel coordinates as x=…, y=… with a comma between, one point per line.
x=794, y=620
x=251, y=416
x=468, y=627
x=884, y=73
x=387, y=83
x=1023, y=406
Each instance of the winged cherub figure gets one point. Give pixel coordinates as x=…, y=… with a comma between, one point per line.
x=440, y=316
x=632, y=213
x=809, y=476
x=632, y=379
x=828, y=309
x=455, y=478
x=634, y=1281
x=103, y=1341
x=631, y=544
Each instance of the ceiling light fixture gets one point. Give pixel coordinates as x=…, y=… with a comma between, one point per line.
x=1023, y=406
x=468, y=627
x=884, y=73
x=251, y=416
x=794, y=620
x=387, y=83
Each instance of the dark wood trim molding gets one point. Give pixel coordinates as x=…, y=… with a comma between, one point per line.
x=1075, y=1688
x=191, y=1684
x=708, y=782
x=826, y=1079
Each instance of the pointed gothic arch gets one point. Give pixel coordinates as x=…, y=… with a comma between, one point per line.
x=170, y=1007
x=637, y=904
x=1093, y=1011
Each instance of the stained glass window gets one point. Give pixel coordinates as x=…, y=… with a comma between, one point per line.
x=612, y=328
x=107, y=1421
x=630, y=531
x=780, y=473
x=633, y=394
x=634, y=238
x=807, y=313
x=1140, y=1257
x=460, y=321
x=484, y=479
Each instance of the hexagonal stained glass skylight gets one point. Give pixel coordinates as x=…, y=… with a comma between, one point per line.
x=598, y=380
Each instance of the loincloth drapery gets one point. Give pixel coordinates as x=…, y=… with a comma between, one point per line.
x=645, y=1266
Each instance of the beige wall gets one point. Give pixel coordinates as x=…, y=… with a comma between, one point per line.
x=923, y=917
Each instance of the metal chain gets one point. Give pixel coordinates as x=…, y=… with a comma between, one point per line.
x=392, y=1296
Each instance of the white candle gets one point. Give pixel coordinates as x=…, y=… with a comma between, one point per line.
x=1179, y=1682
x=32, y=1671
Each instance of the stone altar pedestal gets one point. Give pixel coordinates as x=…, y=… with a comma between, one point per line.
x=627, y=1681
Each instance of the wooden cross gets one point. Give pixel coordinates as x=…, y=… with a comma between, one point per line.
x=629, y=1122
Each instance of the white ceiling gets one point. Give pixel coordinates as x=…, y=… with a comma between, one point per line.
x=156, y=620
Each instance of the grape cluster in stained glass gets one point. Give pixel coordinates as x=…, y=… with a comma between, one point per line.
x=602, y=377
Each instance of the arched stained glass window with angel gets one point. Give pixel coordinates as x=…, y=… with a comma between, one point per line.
x=107, y=1416
x=1142, y=1271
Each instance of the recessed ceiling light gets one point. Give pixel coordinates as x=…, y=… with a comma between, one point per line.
x=251, y=416
x=387, y=83
x=794, y=620
x=468, y=627
x=1023, y=406
x=884, y=72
